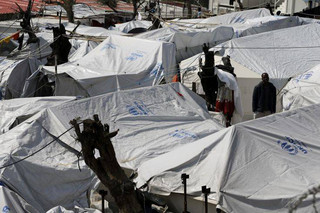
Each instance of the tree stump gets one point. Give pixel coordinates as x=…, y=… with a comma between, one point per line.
x=97, y=136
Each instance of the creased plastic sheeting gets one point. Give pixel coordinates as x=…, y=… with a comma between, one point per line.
x=189, y=43
x=50, y=177
x=144, y=61
x=237, y=17
x=151, y=121
x=12, y=202
x=265, y=24
x=12, y=109
x=80, y=48
x=126, y=27
x=276, y=53
x=302, y=90
x=262, y=165
x=90, y=31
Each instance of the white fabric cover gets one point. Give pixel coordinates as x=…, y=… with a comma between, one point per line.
x=127, y=26
x=12, y=109
x=13, y=74
x=229, y=18
x=189, y=43
x=80, y=48
x=50, y=177
x=151, y=120
x=302, y=90
x=276, y=53
x=264, y=24
x=261, y=165
x=117, y=63
x=91, y=31
x=12, y=202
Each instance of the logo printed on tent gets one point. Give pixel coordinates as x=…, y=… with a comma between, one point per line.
x=293, y=146
x=304, y=76
x=5, y=209
x=183, y=134
x=108, y=46
x=155, y=70
x=135, y=55
x=138, y=109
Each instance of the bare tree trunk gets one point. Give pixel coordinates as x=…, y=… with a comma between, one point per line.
x=240, y=4
x=97, y=136
x=67, y=5
x=189, y=9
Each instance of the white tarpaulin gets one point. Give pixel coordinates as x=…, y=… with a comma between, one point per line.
x=12, y=202
x=17, y=110
x=229, y=18
x=127, y=26
x=118, y=63
x=151, y=120
x=263, y=165
x=42, y=168
x=90, y=31
x=264, y=24
x=302, y=90
x=276, y=53
x=80, y=48
x=189, y=43
x=13, y=74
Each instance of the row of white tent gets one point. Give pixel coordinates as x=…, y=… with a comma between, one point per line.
x=254, y=166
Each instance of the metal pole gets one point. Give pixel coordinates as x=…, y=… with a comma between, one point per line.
x=184, y=178
x=205, y=191
x=102, y=193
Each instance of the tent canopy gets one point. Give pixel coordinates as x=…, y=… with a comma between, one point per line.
x=276, y=53
x=115, y=64
x=255, y=166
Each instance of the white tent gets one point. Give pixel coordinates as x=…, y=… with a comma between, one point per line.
x=229, y=18
x=43, y=168
x=12, y=202
x=302, y=90
x=264, y=24
x=16, y=111
x=14, y=74
x=117, y=63
x=80, y=48
x=151, y=120
x=189, y=43
x=127, y=26
x=263, y=165
x=276, y=53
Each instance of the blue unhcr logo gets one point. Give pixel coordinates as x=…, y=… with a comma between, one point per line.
x=5, y=209
x=108, y=46
x=138, y=109
x=183, y=134
x=155, y=70
x=304, y=76
x=293, y=146
x=134, y=56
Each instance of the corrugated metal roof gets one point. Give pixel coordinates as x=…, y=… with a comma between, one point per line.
x=7, y=6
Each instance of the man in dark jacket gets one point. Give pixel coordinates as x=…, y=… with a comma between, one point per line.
x=264, y=98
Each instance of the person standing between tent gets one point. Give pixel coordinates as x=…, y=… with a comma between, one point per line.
x=225, y=97
x=208, y=77
x=264, y=98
